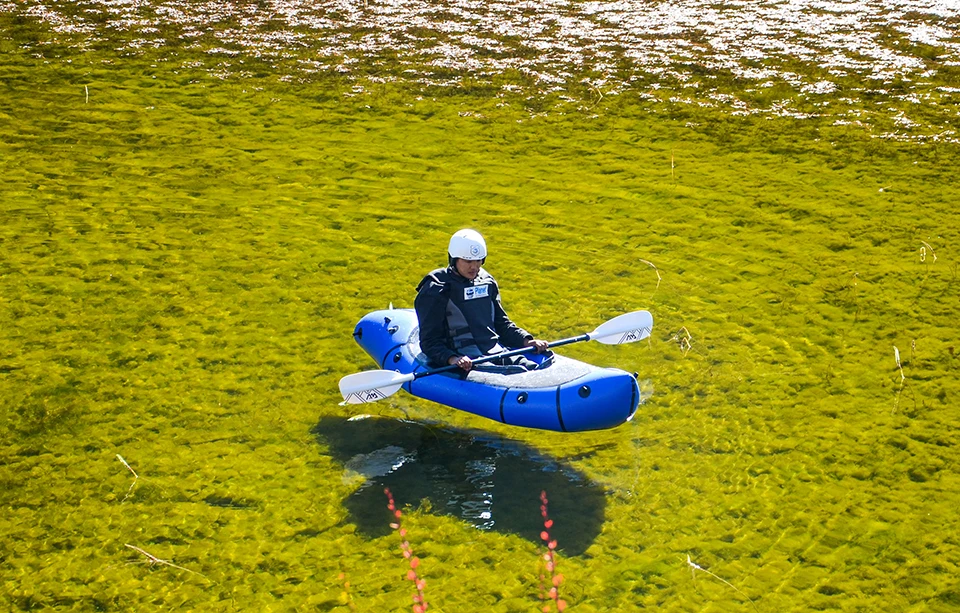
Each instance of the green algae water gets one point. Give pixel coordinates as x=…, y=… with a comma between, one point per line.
x=200, y=200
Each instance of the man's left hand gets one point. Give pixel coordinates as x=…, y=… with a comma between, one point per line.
x=540, y=346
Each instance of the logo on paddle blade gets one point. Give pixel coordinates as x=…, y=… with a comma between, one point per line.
x=373, y=395
x=363, y=397
x=634, y=335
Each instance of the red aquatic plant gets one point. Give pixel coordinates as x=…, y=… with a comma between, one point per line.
x=548, y=569
x=419, y=601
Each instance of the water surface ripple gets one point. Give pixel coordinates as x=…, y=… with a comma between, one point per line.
x=890, y=65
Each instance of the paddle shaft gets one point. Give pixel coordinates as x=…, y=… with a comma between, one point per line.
x=505, y=354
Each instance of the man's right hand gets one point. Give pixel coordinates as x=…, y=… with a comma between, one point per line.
x=462, y=361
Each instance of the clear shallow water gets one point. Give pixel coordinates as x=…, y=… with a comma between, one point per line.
x=186, y=243
x=893, y=66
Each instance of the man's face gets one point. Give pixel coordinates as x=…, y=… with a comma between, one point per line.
x=468, y=269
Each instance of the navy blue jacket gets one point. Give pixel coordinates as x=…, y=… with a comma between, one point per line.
x=455, y=312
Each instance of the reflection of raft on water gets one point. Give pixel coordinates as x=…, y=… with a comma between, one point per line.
x=565, y=395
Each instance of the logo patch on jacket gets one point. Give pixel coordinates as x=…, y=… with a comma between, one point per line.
x=476, y=291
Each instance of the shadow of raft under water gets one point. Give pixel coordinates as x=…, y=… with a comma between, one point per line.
x=490, y=482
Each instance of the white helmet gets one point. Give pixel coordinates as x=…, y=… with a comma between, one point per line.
x=467, y=245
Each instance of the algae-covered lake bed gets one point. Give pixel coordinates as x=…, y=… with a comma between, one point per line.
x=197, y=207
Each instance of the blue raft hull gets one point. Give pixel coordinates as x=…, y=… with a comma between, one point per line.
x=566, y=396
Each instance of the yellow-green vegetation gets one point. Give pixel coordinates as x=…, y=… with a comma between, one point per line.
x=183, y=258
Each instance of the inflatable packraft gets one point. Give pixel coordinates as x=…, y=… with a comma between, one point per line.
x=564, y=394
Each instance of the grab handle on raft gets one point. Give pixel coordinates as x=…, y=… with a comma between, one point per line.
x=374, y=385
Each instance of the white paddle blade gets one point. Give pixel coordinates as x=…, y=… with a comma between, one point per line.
x=627, y=328
x=371, y=386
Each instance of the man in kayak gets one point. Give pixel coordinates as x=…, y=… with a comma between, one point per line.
x=460, y=314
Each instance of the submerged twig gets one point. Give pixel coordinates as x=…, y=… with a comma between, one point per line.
x=152, y=559
x=684, y=339
x=136, y=477
x=896, y=356
x=694, y=567
x=656, y=270
x=599, y=93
